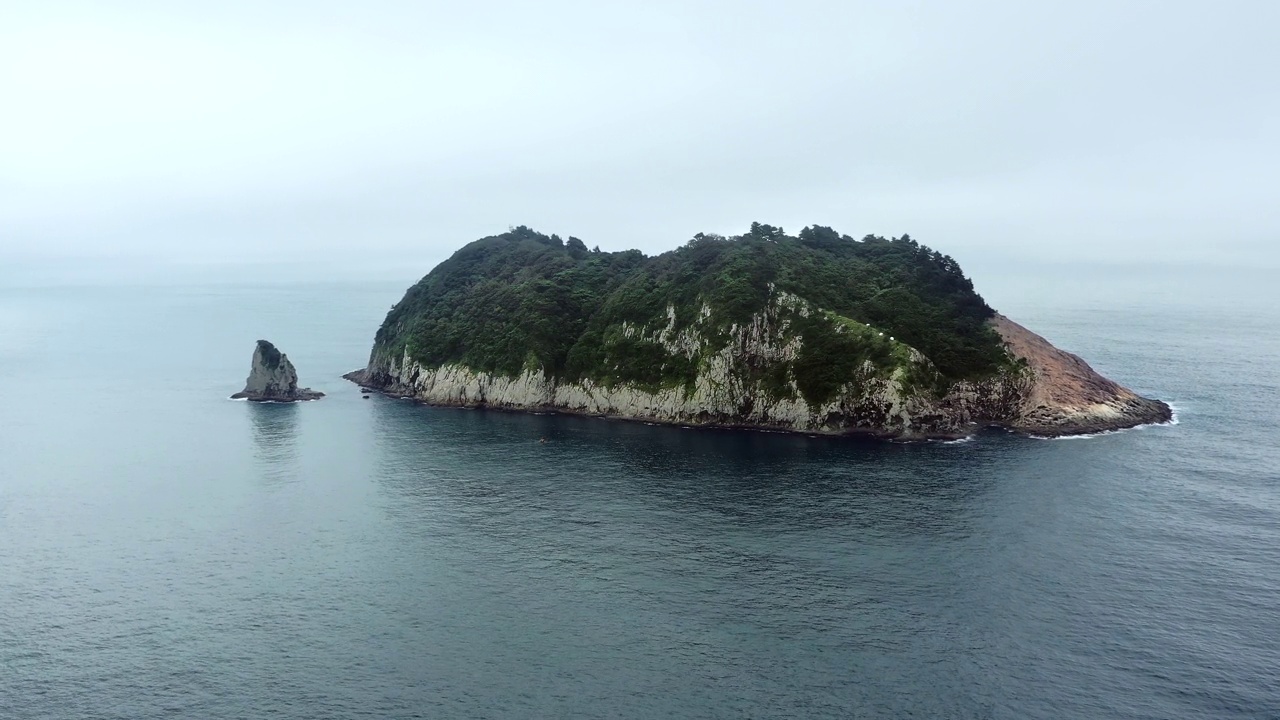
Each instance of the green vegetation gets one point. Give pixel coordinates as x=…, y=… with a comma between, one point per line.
x=525, y=300
x=270, y=355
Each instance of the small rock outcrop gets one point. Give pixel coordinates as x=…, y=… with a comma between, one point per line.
x=273, y=378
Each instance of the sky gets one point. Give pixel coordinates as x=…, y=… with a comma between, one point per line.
x=386, y=134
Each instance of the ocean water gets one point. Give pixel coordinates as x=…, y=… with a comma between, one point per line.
x=166, y=552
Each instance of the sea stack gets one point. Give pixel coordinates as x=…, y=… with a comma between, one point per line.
x=272, y=378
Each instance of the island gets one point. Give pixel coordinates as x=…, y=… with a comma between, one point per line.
x=816, y=333
x=272, y=378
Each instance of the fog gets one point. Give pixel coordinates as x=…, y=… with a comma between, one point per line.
x=378, y=137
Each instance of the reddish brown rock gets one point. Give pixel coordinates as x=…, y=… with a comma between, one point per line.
x=1067, y=396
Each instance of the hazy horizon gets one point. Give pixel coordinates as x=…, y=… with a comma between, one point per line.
x=377, y=140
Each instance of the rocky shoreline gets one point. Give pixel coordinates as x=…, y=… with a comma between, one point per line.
x=1070, y=397
x=399, y=392
x=1056, y=394
x=1153, y=412
x=1132, y=413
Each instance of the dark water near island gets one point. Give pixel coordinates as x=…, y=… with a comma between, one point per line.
x=165, y=552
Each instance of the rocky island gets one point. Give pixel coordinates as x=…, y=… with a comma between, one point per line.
x=816, y=333
x=273, y=378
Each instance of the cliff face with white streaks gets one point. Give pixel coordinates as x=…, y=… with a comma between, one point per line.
x=673, y=345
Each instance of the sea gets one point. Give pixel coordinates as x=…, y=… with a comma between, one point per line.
x=166, y=552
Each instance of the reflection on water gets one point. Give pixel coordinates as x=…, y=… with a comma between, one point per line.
x=629, y=540
x=470, y=461
x=275, y=439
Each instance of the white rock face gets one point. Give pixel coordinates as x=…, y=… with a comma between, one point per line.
x=722, y=392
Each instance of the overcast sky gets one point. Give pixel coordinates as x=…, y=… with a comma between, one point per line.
x=396, y=131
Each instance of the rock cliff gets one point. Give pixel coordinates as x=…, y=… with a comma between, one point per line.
x=1068, y=397
x=1049, y=393
x=727, y=332
x=273, y=378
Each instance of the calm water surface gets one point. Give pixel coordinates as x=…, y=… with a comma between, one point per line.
x=165, y=552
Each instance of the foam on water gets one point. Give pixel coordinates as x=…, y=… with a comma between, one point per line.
x=1173, y=420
